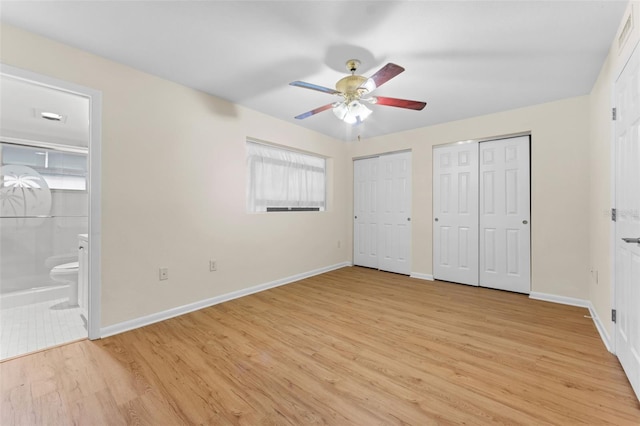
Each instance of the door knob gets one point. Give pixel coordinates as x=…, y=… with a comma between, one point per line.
x=524, y=222
x=631, y=240
x=436, y=219
x=356, y=217
x=409, y=219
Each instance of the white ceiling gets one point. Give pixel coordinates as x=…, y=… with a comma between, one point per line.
x=464, y=58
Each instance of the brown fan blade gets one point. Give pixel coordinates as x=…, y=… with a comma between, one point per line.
x=400, y=103
x=314, y=87
x=383, y=75
x=314, y=111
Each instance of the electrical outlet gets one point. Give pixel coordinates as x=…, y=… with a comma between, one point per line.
x=164, y=274
x=213, y=265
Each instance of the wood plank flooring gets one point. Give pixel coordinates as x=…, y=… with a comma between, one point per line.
x=351, y=347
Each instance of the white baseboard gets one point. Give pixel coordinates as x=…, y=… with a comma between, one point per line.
x=181, y=310
x=563, y=300
x=604, y=335
x=421, y=276
x=580, y=303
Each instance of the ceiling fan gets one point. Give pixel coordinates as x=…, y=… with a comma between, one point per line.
x=354, y=90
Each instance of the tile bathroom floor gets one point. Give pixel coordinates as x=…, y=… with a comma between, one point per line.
x=29, y=328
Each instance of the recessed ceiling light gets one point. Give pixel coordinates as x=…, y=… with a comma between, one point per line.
x=51, y=116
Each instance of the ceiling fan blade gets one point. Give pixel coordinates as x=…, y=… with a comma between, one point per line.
x=314, y=87
x=383, y=75
x=400, y=103
x=314, y=111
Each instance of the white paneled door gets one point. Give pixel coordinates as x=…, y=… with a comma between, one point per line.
x=455, y=213
x=505, y=214
x=365, y=209
x=481, y=214
x=382, y=212
x=627, y=234
x=395, y=213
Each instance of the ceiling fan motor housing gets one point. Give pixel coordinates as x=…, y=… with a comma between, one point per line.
x=350, y=85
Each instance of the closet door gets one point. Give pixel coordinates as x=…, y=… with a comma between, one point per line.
x=395, y=213
x=365, y=209
x=505, y=215
x=455, y=213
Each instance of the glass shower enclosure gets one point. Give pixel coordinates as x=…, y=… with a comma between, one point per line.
x=44, y=223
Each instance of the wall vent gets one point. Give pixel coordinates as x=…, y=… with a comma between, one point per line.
x=626, y=30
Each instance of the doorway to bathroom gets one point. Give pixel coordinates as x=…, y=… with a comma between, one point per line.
x=49, y=212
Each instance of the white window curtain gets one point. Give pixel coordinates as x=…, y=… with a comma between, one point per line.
x=280, y=178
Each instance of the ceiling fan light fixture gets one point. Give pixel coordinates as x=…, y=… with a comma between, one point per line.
x=351, y=113
x=361, y=111
x=341, y=111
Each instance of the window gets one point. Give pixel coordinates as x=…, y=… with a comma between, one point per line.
x=282, y=180
x=61, y=170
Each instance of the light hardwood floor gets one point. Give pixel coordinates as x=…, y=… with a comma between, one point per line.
x=353, y=346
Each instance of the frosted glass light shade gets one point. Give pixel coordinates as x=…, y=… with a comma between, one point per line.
x=351, y=113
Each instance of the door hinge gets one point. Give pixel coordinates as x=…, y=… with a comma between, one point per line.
x=613, y=215
x=614, y=114
x=613, y=315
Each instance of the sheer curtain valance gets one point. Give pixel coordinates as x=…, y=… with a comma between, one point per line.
x=282, y=179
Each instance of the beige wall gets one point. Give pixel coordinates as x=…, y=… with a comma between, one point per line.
x=559, y=186
x=173, y=186
x=600, y=184
x=173, y=192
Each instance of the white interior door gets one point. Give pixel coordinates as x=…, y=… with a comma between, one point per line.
x=627, y=240
x=505, y=215
x=365, y=209
x=455, y=213
x=395, y=213
x=382, y=212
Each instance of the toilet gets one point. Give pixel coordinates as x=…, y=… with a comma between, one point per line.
x=67, y=273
